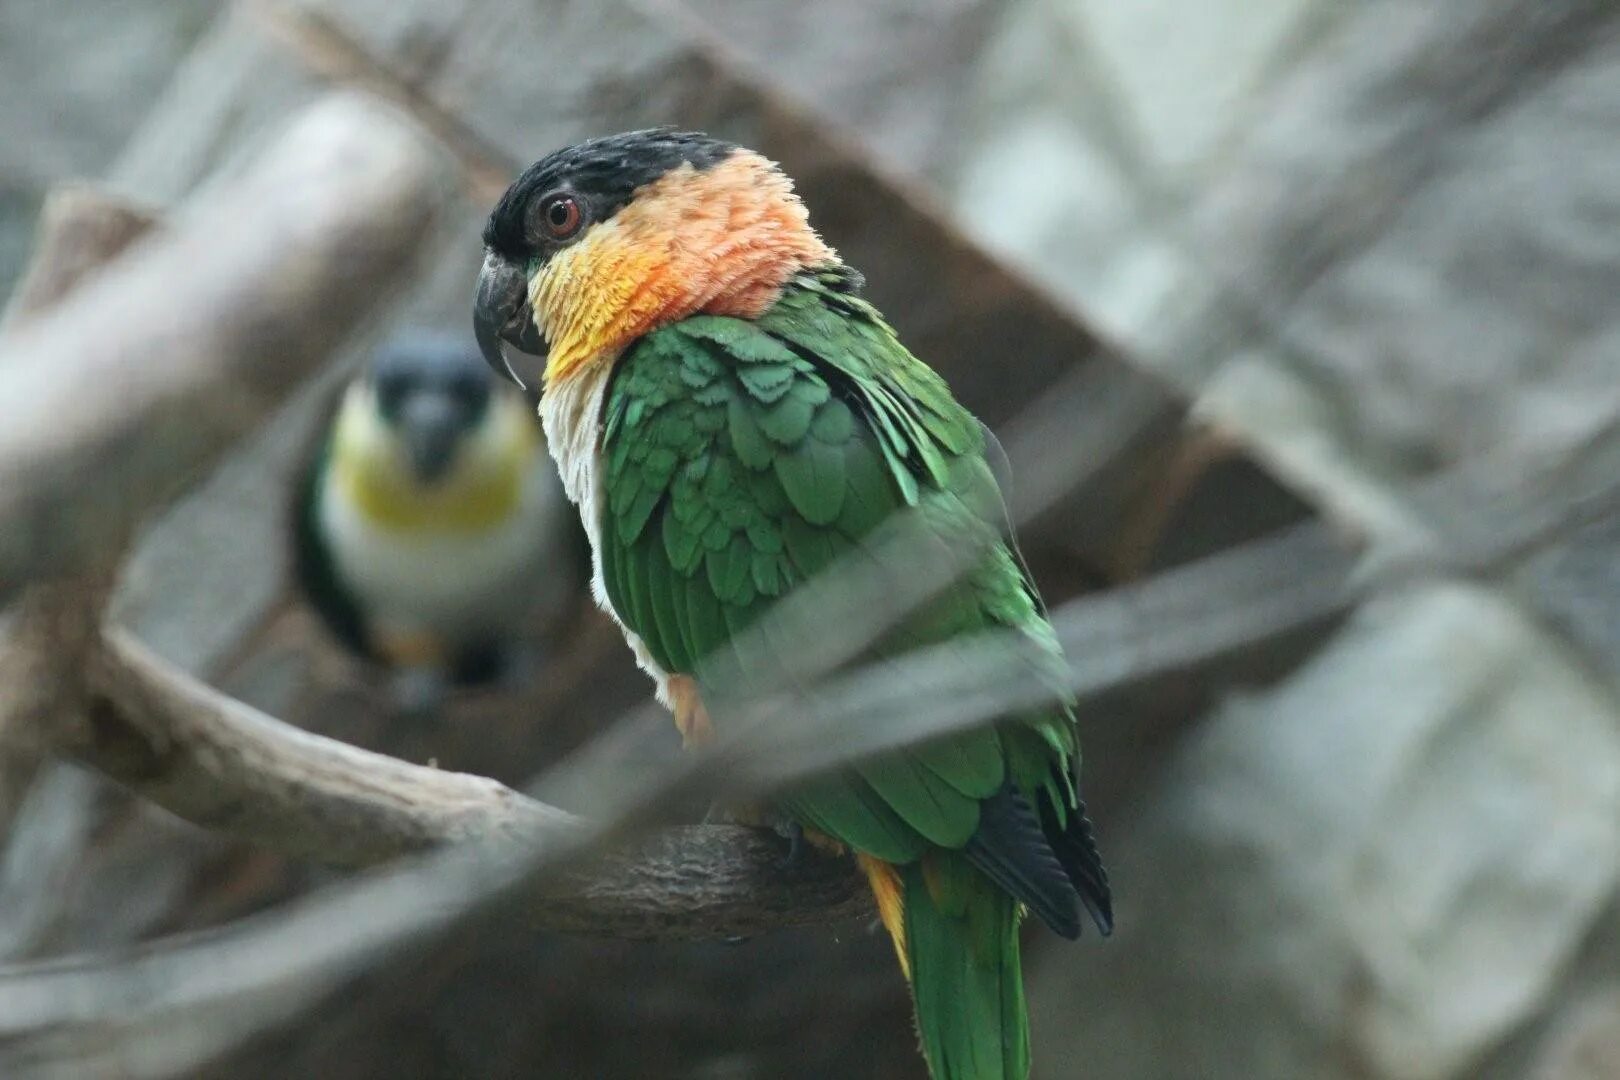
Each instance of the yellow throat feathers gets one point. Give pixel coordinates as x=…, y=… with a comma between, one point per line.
x=482, y=489
x=720, y=241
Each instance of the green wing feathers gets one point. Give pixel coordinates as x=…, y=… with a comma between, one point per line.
x=740, y=458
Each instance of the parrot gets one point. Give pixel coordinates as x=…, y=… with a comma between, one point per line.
x=426, y=528
x=730, y=415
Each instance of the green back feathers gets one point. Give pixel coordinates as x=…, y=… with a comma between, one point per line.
x=741, y=458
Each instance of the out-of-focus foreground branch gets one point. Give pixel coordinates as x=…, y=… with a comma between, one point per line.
x=118, y=397
x=54, y=623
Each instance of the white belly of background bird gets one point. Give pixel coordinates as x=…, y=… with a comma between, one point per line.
x=431, y=526
x=453, y=584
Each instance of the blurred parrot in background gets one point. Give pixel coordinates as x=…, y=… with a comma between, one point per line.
x=426, y=529
x=731, y=417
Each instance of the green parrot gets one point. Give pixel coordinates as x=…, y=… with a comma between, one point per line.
x=731, y=417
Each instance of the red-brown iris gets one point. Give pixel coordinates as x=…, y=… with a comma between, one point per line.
x=560, y=216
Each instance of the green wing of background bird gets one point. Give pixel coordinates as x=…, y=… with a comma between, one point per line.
x=740, y=459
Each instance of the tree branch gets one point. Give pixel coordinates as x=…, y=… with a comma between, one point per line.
x=81, y=230
x=127, y=389
x=53, y=624
x=223, y=765
x=226, y=766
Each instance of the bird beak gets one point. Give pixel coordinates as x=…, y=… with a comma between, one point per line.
x=501, y=314
x=429, y=428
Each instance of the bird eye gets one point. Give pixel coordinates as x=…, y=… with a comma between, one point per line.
x=391, y=390
x=559, y=216
x=470, y=392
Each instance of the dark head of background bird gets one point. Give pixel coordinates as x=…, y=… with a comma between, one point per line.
x=598, y=243
x=431, y=390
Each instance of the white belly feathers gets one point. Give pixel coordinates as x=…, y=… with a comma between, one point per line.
x=460, y=586
x=572, y=416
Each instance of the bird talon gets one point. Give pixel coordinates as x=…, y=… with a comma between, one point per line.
x=418, y=694
x=793, y=833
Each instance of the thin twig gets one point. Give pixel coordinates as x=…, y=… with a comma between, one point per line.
x=323, y=45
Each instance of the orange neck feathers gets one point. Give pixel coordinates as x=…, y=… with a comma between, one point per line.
x=722, y=241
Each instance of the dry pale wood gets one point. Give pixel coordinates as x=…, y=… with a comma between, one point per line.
x=326, y=47
x=53, y=624
x=131, y=386
x=81, y=229
x=225, y=766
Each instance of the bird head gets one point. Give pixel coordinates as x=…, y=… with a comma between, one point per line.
x=427, y=428
x=602, y=242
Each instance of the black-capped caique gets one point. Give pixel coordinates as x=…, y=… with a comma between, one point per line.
x=731, y=417
x=427, y=526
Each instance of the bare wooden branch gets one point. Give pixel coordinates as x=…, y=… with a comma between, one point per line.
x=81, y=229
x=53, y=629
x=221, y=764
x=225, y=766
x=54, y=624
x=719, y=877
x=689, y=882
x=127, y=389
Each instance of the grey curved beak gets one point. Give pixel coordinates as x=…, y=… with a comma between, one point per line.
x=431, y=430
x=501, y=315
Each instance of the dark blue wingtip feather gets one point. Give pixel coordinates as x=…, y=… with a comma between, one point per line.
x=1010, y=846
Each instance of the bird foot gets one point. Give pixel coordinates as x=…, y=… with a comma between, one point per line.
x=757, y=816
x=793, y=833
x=519, y=666
x=418, y=693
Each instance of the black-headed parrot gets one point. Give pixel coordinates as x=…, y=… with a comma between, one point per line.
x=731, y=417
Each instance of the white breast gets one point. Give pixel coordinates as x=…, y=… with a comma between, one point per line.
x=458, y=586
x=572, y=416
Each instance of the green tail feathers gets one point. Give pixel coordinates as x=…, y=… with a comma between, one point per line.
x=966, y=978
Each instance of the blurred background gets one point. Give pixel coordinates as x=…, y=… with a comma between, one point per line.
x=1343, y=275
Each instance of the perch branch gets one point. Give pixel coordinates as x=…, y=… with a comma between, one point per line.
x=221, y=986
x=708, y=879
x=225, y=766
x=221, y=764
